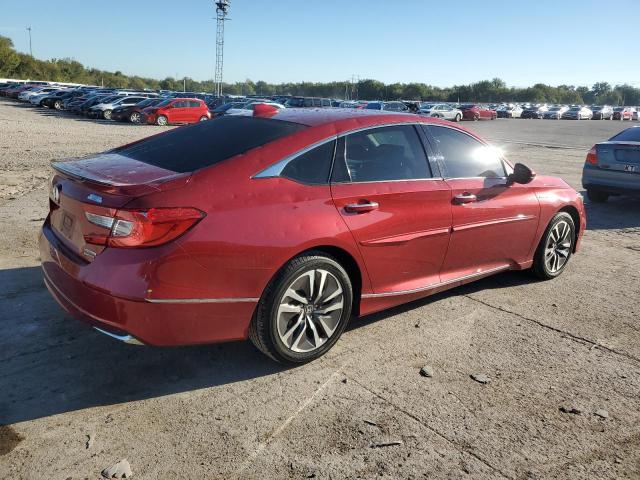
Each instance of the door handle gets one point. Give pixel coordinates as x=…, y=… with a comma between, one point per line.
x=465, y=198
x=361, y=207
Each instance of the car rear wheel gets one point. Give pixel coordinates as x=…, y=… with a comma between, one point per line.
x=106, y=114
x=556, y=245
x=597, y=196
x=134, y=117
x=304, y=309
x=161, y=120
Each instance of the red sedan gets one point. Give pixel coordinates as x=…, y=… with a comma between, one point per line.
x=281, y=226
x=177, y=110
x=477, y=112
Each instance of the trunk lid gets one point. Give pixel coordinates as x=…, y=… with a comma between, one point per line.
x=620, y=156
x=100, y=185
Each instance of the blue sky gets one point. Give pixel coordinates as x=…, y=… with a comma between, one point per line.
x=437, y=42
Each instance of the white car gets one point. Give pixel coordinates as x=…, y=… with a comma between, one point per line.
x=103, y=110
x=247, y=109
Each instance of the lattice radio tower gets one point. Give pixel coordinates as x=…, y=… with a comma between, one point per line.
x=222, y=8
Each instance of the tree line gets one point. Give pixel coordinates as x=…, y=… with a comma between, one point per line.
x=14, y=64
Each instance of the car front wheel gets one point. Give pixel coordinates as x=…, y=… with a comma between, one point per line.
x=106, y=114
x=555, y=248
x=135, y=117
x=304, y=309
x=161, y=120
x=458, y=118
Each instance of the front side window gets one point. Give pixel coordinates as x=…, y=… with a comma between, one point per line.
x=381, y=154
x=312, y=167
x=307, y=102
x=463, y=156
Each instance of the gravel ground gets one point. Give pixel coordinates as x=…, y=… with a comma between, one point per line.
x=74, y=402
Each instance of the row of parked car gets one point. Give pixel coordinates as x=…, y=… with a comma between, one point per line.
x=169, y=107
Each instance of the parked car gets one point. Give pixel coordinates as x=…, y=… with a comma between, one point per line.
x=104, y=109
x=27, y=94
x=534, y=111
x=441, y=110
x=554, y=113
x=222, y=109
x=577, y=113
x=604, y=112
x=56, y=99
x=281, y=228
x=513, y=111
x=623, y=113
x=247, y=108
x=133, y=113
x=177, y=110
x=308, y=102
x=473, y=111
x=613, y=167
x=387, y=106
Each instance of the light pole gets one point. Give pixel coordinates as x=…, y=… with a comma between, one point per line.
x=222, y=8
x=30, y=50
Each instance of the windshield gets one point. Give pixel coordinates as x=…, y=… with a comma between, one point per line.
x=206, y=143
x=427, y=106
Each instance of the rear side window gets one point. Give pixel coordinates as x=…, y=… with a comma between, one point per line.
x=312, y=167
x=381, y=154
x=629, y=135
x=307, y=102
x=463, y=156
x=203, y=144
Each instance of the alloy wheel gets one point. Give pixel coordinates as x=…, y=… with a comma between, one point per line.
x=310, y=310
x=135, y=117
x=558, y=247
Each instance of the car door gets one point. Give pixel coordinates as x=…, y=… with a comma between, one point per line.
x=493, y=223
x=177, y=111
x=397, y=207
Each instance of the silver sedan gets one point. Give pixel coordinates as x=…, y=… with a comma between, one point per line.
x=441, y=110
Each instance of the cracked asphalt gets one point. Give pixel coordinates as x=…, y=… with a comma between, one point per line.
x=362, y=411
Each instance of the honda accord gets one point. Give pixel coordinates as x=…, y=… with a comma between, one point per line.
x=281, y=226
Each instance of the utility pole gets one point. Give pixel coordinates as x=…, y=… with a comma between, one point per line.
x=184, y=84
x=222, y=8
x=30, y=50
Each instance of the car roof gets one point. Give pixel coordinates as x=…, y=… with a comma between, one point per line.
x=345, y=119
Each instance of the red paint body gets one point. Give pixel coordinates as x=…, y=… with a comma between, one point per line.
x=478, y=112
x=418, y=242
x=176, y=113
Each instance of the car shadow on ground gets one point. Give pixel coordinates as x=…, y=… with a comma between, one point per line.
x=618, y=212
x=51, y=363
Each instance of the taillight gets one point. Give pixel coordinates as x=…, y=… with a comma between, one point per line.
x=143, y=228
x=592, y=156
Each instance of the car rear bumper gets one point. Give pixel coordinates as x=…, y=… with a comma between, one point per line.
x=611, y=181
x=138, y=320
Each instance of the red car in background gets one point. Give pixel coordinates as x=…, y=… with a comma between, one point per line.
x=177, y=110
x=476, y=112
x=281, y=226
x=623, y=113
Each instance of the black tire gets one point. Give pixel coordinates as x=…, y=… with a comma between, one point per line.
x=458, y=118
x=162, y=121
x=263, y=330
x=106, y=114
x=57, y=105
x=540, y=266
x=476, y=117
x=597, y=196
x=135, y=117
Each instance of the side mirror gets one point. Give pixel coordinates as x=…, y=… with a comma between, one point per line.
x=521, y=174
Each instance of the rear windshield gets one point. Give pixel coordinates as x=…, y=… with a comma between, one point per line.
x=629, y=135
x=186, y=149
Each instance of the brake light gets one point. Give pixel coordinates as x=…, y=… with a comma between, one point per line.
x=264, y=110
x=143, y=228
x=592, y=156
